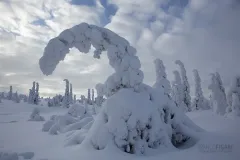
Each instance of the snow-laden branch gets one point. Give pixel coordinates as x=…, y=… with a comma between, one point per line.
x=122, y=56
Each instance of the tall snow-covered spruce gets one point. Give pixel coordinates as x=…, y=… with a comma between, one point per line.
x=199, y=100
x=219, y=100
x=66, y=99
x=93, y=96
x=100, y=93
x=89, y=96
x=36, y=94
x=177, y=91
x=133, y=117
x=161, y=77
x=234, y=89
x=186, y=87
x=71, y=94
x=10, y=93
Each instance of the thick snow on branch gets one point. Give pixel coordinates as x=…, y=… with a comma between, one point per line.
x=122, y=56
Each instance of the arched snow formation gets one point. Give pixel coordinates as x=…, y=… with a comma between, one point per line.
x=138, y=118
x=122, y=56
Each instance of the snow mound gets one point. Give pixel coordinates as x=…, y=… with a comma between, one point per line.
x=16, y=156
x=134, y=123
x=75, y=119
x=35, y=116
x=78, y=125
x=77, y=110
x=57, y=123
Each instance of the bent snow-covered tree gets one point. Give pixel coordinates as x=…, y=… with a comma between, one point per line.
x=177, y=91
x=219, y=101
x=186, y=87
x=161, y=77
x=199, y=101
x=133, y=116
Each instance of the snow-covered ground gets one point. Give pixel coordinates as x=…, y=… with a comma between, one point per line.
x=17, y=134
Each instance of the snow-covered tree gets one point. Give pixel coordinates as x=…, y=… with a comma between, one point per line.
x=93, y=99
x=100, y=93
x=32, y=94
x=235, y=104
x=36, y=95
x=35, y=115
x=2, y=95
x=186, y=87
x=10, y=93
x=29, y=95
x=82, y=99
x=16, y=97
x=71, y=94
x=50, y=102
x=89, y=96
x=74, y=99
x=133, y=117
x=161, y=77
x=199, y=101
x=219, y=101
x=66, y=100
x=177, y=91
x=234, y=89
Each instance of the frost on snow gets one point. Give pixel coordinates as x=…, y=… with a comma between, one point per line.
x=135, y=117
x=35, y=116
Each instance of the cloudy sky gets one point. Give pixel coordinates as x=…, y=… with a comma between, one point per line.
x=204, y=34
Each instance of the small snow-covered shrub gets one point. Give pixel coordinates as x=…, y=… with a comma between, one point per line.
x=47, y=125
x=77, y=110
x=78, y=125
x=35, y=116
x=57, y=123
x=136, y=124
